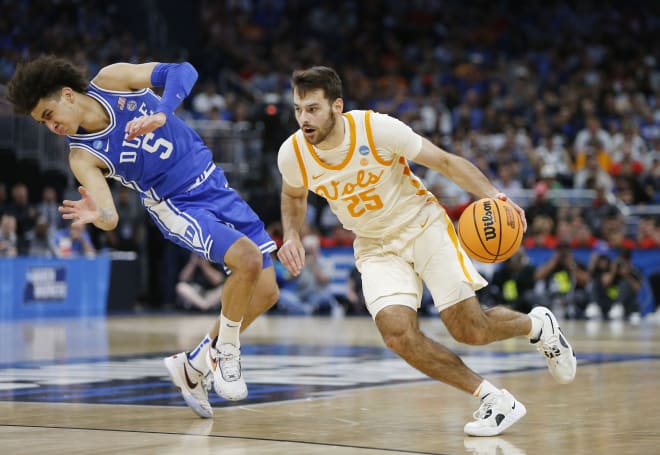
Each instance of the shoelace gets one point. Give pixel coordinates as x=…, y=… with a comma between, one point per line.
x=550, y=347
x=230, y=365
x=486, y=405
x=207, y=381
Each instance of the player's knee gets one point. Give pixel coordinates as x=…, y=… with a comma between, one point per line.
x=472, y=335
x=272, y=296
x=245, y=260
x=400, y=341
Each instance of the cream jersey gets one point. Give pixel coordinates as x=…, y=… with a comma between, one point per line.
x=366, y=180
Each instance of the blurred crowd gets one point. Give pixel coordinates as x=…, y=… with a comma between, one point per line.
x=541, y=96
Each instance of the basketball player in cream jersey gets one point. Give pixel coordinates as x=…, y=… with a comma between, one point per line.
x=358, y=161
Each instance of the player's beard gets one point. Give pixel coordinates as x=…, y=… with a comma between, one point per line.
x=323, y=131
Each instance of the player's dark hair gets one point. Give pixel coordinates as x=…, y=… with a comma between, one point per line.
x=318, y=77
x=41, y=78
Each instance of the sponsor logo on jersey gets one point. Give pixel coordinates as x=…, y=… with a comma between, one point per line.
x=132, y=105
x=98, y=144
x=363, y=150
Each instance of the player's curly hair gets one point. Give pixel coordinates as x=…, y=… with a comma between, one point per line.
x=318, y=77
x=41, y=78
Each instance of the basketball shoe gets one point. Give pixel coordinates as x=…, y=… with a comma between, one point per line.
x=225, y=363
x=498, y=411
x=191, y=384
x=551, y=342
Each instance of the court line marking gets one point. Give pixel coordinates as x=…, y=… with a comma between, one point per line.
x=219, y=436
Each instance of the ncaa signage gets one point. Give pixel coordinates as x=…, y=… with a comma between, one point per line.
x=45, y=284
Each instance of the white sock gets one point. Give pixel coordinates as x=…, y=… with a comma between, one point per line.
x=229, y=331
x=537, y=325
x=484, y=389
x=197, y=357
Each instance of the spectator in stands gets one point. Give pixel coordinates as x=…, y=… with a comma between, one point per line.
x=583, y=235
x=541, y=205
x=354, y=295
x=513, y=283
x=562, y=281
x=200, y=284
x=3, y=198
x=602, y=205
x=128, y=234
x=73, y=241
x=541, y=233
x=628, y=141
x=595, y=142
x=209, y=100
x=615, y=286
x=8, y=236
x=47, y=208
x=25, y=214
x=613, y=231
x=551, y=152
x=40, y=240
x=289, y=301
x=313, y=283
x=648, y=233
x=592, y=176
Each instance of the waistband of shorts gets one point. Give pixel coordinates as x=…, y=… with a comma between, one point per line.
x=202, y=177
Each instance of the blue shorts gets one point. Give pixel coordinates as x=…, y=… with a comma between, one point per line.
x=209, y=218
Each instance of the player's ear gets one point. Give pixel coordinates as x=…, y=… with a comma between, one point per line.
x=67, y=94
x=338, y=105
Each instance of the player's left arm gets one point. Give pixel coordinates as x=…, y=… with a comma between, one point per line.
x=462, y=172
x=96, y=204
x=177, y=80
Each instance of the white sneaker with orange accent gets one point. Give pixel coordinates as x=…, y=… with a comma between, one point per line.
x=225, y=364
x=191, y=384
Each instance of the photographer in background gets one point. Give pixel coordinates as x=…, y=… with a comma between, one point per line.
x=615, y=286
x=563, y=281
x=513, y=283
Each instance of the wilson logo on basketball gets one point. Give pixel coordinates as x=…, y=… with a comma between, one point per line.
x=488, y=224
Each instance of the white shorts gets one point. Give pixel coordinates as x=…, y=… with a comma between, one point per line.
x=393, y=268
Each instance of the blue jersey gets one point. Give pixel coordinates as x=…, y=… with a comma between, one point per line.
x=159, y=164
x=187, y=197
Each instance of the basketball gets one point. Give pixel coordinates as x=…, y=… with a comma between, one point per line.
x=490, y=230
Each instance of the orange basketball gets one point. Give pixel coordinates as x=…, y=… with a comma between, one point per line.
x=490, y=230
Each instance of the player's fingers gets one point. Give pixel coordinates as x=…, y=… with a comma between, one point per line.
x=67, y=204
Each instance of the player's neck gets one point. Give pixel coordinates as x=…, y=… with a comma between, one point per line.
x=336, y=136
x=94, y=116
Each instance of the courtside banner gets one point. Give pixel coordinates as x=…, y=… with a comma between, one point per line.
x=39, y=287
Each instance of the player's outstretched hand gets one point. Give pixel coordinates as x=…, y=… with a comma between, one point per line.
x=82, y=211
x=292, y=256
x=518, y=209
x=143, y=125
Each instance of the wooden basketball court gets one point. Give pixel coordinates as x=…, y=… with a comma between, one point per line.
x=317, y=386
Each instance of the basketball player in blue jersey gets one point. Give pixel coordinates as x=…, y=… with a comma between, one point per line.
x=358, y=161
x=118, y=128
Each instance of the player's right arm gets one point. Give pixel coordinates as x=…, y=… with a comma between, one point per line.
x=96, y=205
x=177, y=80
x=294, y=208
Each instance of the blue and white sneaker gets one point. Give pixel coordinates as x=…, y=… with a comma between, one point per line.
x=191, y=383
x=552, y=343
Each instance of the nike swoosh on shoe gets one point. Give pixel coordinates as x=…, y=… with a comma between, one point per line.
x=191, y=384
